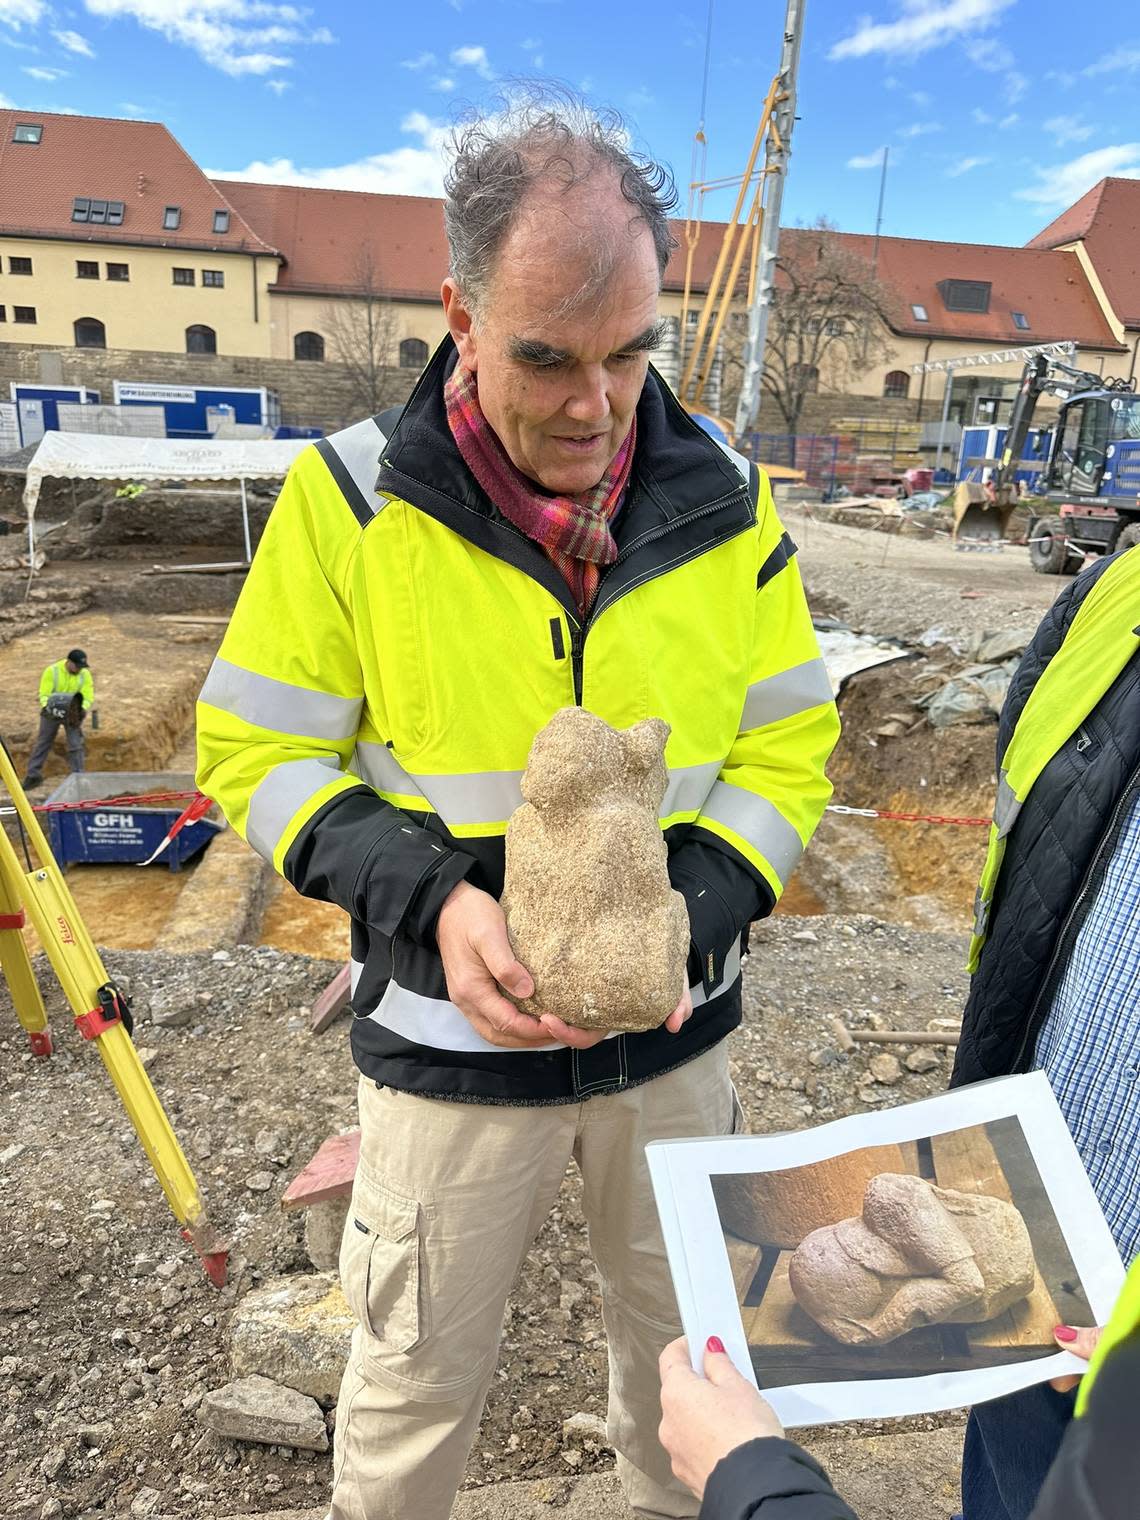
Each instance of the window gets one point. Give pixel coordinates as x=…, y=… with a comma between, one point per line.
x=214, y=277
x=413, y=353
x=90, y=333
x=965, y=295
x=3, y=314
x=221, y=221
x=201, y=340
x=23, y=314
x=308, y=345
x=919, y=313
x=98, y=211
x=897, y=385
x=80, y=209
x=27, y=132
x=171, y=218
x=118, y=271
x=86, y=269
x=115, y=213
x=1021, y=320
x=183, y=276
x=19, y=266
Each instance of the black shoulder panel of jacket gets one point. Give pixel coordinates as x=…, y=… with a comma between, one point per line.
x=1046, y=642
x=368, y=857
x=1096, y=1475
x=771, y=1479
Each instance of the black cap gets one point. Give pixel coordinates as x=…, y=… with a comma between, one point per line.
x=77, y=657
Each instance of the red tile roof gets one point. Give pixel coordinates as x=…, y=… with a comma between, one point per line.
x=136, y=162
x=1107, y=221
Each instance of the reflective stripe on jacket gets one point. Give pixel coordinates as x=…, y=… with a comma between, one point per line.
x=398, y=645
x=57, y=680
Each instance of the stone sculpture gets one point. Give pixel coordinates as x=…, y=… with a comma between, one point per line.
x=590, y=911
x=917, y=1255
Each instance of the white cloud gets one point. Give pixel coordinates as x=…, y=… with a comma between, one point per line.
x=244, y=37
x=867, y=160
x=72, y=42
x=44, y=75
x=412, y=169
x=472, y=57
x=1066, y=129
x=5, y=103
x=1124, y=59
x=1059, y=185
x=129, y=108
x=278, y=86
x=924, y=24
x=964, y=165
x=993, y=57
x=983, y=118
x=18, y=13
x=444, y=84
x=530, y=44
x=1011, y=120
x=921, y=99
x=921, y=129
x=421, y=61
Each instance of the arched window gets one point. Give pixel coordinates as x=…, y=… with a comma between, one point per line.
x=90, y=333
x=308, y=345
x=897, y=385
x=805, y=377
x=413, y=353
x=201, y=340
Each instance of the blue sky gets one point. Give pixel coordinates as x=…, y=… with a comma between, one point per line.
x=997, y=113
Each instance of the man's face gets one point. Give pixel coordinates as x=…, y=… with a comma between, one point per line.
x=73, y=667
x=559, y=378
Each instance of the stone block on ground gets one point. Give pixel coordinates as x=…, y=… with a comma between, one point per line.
x=324, y=1225
x=256, y=1409
x=220, y=901
x=294, y=1331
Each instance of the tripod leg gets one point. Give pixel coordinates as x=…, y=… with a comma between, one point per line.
x=17, y=965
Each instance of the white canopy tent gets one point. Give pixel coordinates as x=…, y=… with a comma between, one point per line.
x=89, y=456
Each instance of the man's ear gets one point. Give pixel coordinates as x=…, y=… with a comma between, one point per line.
x=460, y=324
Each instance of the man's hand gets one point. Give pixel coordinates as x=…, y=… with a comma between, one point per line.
x=582, y=1039
x=704, y=1418
x=1081, y=1343
x=477, y=960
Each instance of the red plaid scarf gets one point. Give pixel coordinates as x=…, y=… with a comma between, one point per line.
x=574, y=531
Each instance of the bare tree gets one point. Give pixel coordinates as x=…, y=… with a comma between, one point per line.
x=363, y=327
x=829, y=321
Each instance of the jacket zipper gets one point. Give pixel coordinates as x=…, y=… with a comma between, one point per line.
x=1083, y=740
x=1071, y=928
x=577, y=654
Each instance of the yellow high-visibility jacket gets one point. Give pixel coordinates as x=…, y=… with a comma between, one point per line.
x=396, y=648
x=57, y=680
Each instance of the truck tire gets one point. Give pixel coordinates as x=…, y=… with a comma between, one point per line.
x=1048, y=546
x=1129, y=537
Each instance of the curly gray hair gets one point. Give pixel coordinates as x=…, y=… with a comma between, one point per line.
x=542, y=136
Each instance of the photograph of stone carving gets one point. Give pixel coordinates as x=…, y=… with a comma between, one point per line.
x=940, y=1254
x=587, y=877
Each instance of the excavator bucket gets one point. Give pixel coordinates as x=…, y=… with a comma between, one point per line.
x=977, y=516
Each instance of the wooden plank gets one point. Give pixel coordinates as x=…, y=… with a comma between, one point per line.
x=328, y=1175
x=743, y=1260
x=332, y=1001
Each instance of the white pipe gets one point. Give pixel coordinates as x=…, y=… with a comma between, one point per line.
x=245, y=523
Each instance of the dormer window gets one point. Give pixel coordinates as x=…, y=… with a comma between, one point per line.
x=221, y=221
x=1021, y=320
x=172, y=218
x=965, y=295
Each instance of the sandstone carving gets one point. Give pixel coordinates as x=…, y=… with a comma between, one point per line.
x=780, y=1208
x=590, y=911
x=917, y=1255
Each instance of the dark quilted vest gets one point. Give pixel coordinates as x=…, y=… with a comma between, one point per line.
x=1053, y=857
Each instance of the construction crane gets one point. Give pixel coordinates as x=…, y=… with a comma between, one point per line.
x=1090, y=480
x=750, y=242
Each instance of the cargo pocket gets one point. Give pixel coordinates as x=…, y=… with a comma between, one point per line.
x=380, y=1266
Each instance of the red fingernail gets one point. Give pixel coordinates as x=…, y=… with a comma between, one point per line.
x=1064, y=1333
x=715, y=1343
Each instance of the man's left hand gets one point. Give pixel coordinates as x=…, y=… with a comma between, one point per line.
x=583, y=1039
x=704, y=1418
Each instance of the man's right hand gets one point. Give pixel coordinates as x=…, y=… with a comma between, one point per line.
x=477, y=960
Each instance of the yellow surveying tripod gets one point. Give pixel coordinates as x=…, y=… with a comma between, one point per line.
x=102, y=1012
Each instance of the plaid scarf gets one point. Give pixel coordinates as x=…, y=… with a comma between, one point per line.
x=574, y=531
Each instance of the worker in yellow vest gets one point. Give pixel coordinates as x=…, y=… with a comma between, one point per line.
x=67, y=695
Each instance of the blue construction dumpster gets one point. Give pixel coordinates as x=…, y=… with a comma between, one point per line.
x=125, y=833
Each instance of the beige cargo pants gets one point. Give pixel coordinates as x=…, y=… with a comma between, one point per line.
x=447, y=1201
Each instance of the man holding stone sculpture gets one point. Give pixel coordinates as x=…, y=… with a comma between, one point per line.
x=542, y=528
